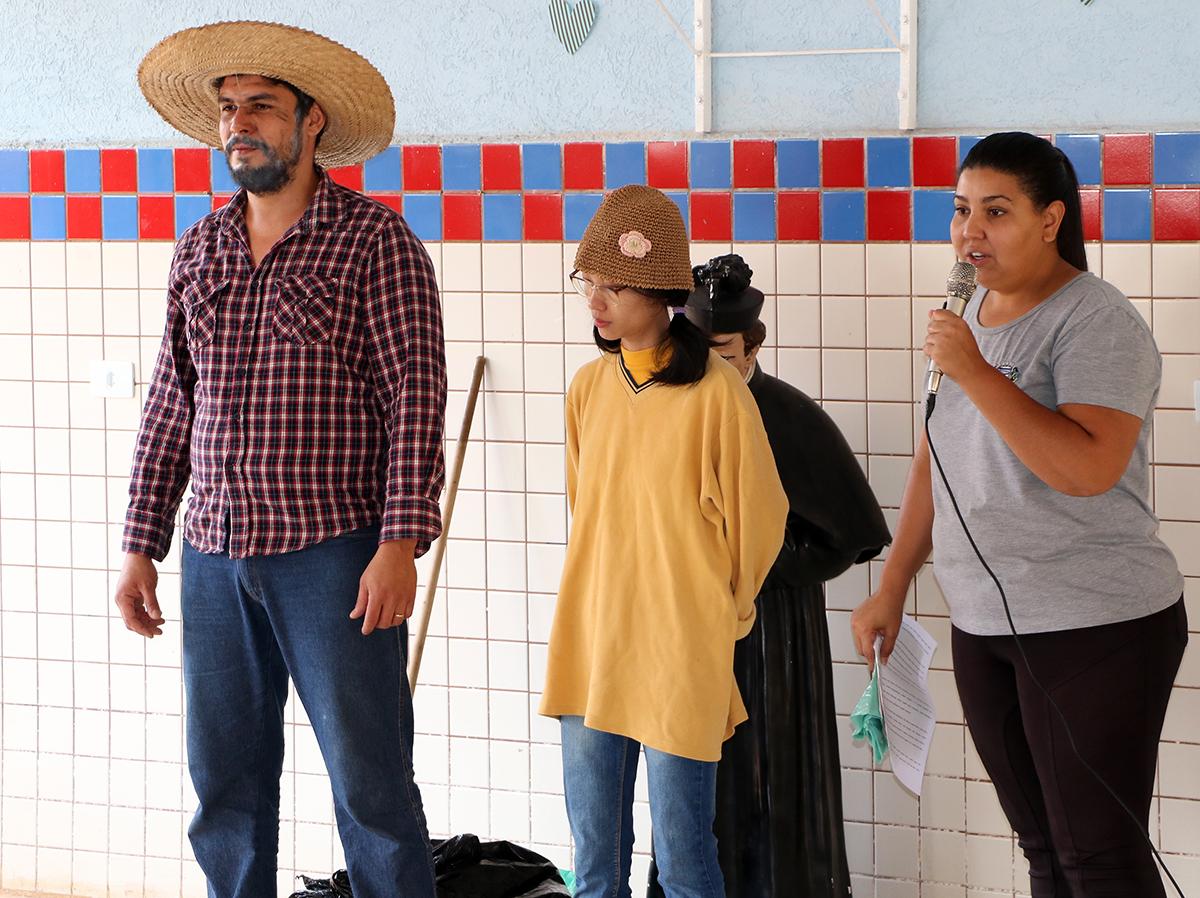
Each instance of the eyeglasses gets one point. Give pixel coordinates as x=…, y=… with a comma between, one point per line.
x=607, y=294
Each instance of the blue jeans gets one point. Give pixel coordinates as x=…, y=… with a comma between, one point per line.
x=247, y=625
x=599, y=770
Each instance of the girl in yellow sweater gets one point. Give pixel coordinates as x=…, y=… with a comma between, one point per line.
x=678, y=514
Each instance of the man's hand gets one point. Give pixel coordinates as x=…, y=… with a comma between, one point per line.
x=137, y=598
x=387, y=589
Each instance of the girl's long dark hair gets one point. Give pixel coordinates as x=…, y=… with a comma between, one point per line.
x=688, y=344
x=1046, y=175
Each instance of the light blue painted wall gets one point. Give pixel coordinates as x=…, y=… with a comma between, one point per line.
x=464, y=69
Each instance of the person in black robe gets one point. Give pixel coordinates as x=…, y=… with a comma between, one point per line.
x=779, y=823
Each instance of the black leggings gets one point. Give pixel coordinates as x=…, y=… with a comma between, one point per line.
x=1112, y=683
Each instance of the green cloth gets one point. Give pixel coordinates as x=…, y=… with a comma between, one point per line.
x=867, y=719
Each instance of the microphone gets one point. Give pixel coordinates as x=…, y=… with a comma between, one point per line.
x=960, y=287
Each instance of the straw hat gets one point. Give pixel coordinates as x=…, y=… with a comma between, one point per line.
x=637, y=239
x=176, y=77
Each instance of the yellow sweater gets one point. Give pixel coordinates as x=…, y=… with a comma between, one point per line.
x=678, y=515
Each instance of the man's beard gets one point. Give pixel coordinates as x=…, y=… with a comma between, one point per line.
x=272, y=175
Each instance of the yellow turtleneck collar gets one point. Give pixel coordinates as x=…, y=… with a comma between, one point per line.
x=642, y=363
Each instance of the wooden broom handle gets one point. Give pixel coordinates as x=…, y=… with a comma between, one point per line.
x=439, y=548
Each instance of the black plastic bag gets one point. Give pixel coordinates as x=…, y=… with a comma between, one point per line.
x=337, y=886
x=468, y=868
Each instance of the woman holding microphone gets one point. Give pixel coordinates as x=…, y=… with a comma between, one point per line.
x=1042, y=427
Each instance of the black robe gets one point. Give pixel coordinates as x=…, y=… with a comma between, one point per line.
x=779, y=786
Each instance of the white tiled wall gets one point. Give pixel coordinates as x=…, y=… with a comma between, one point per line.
x=94, y=796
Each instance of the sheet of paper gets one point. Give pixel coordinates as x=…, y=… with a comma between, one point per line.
x=908, y=712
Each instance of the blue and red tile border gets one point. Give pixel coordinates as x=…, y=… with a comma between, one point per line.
x=1135, y=187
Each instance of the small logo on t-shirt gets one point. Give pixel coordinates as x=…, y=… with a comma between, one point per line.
x=1012, y=372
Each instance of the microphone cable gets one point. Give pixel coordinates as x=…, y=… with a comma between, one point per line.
x=931, y=401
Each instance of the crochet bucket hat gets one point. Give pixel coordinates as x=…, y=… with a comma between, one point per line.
x=637, y=238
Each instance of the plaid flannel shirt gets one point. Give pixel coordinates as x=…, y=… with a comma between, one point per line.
x=305, y=397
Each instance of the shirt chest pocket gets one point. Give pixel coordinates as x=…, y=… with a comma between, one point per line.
x=200, y=300
x=305, y=309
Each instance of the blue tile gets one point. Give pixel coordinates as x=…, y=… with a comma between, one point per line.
x=14, y=171
x=48, y=216
x=156, y=171
x=889, y=162
x=83, y=171
x=624, y=163
x=799, y=163
x=578, y=209
x=1127, y=215
x=501, y=216
x=461, y=167
x=1084, y=152
x=754, y=216
x=222, y=181
x=423, y=212
x=120, y=217
x=1176, y=159
x=932, y=211
x=680, y=199
x=382, y=172
x=964, y=147
x=189, y=209
x=712, y=164
x=843, y=215
x=541, y=166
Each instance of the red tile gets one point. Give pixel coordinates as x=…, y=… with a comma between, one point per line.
x=842, y=162
x=1177, y=214
x=543, y=216
x=393, y=201
x=156, y=217
x=753, y=163
x=1090, y=201
x=799, y=215
x=935, y=161
x=462, y=216
x=193, y=173
x=83, y=218
x=667, y=164
x=501, y=166
x=14, y=218
x=348, y=176
x=118, y=171
x=47, y=171
x=711, y=217
x=1128, y=158
x=889, y=215
x=422, y=167
x=583, y=166
x=220, y=199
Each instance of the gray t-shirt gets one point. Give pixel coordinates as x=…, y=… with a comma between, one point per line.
x=1064, y=561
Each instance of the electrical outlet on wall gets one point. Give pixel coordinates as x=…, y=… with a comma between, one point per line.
x=112, y=379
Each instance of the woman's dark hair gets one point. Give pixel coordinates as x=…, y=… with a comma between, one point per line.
x=1045, y=174
x=688, y=344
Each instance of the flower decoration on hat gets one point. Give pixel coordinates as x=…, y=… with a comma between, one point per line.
x=634, y=244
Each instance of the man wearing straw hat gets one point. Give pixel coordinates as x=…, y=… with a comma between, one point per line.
x=301, y=386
